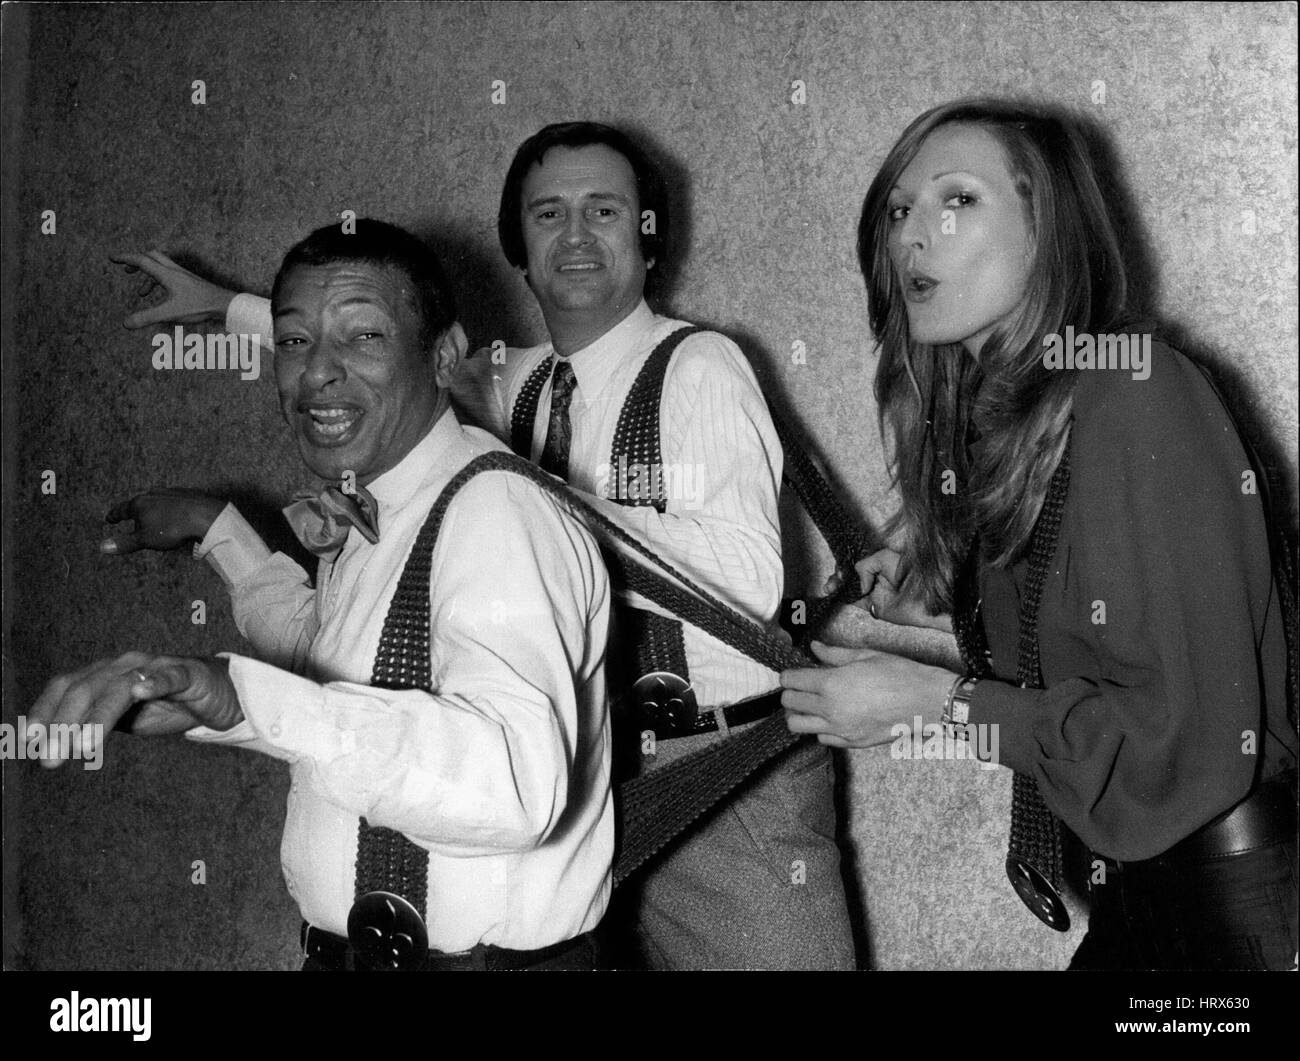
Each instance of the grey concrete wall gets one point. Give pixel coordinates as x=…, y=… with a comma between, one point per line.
x=386, y=110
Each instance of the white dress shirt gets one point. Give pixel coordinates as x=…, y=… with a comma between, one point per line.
x=502, y=774
x=722, y=528
x=722, y=463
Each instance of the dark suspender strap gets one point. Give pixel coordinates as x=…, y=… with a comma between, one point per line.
x=386, y=860
x=637, y=435
x=1042, y=550
x=523, y=415
x=645, y=642
x=659, y=806
x=1035, y=838
x=648, y=641
x=847, y=539
x=1035, y=830
x=849, y=542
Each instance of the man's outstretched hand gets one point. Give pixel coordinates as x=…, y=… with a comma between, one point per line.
x=190, y=299
x=176, y=694
x=165, y=517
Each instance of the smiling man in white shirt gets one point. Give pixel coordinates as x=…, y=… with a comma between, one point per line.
x=665, y=429
x=450, y=804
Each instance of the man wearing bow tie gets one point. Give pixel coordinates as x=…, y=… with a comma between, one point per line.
x=450, y=808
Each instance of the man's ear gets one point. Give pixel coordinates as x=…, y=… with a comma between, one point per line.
x=447, y=354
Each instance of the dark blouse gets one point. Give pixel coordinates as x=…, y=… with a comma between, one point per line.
x=1160, y=717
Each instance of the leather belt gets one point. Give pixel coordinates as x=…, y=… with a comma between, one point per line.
x=1264, y=817
x=665, y=704
x=1267, y=816
x=337, y=952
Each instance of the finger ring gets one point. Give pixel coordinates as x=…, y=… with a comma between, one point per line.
x=871, y=609
x=140, y=676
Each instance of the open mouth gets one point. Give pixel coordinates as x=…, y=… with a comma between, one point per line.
x=917, y=287
x=329, y=425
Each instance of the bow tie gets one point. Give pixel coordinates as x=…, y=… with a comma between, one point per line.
x=322, y=521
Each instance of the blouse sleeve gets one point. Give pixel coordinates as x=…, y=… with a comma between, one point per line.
x=1159, y=625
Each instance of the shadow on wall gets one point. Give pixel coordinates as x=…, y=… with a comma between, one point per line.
x=677, y=228
x=486, y=286
x=1240, y=392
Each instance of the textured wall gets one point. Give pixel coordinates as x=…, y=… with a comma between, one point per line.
x=312, y=109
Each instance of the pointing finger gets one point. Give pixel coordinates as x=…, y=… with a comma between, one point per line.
x=134, y=262
x=121, y=543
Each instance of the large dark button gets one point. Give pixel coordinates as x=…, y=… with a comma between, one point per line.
x=387, y=932
x=1037, y=892
x=666, y=701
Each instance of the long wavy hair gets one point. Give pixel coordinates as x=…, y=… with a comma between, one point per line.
x=935, y=399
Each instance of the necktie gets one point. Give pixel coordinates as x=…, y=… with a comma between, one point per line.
x=559, y=433
x=322, y=521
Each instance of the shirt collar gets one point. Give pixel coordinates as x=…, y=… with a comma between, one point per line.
x=402, y=482
x=594, y=364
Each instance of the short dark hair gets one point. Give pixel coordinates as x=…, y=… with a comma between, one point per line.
x=649, y=184
x=380, y=244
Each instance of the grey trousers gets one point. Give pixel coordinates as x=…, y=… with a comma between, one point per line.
x=756, y=886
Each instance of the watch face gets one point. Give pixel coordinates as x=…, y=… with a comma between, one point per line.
x=961, y=701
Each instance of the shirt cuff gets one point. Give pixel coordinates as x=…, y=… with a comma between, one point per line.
x=232, y=547
x=240, y=733
x=283, y=715
x=246, y=315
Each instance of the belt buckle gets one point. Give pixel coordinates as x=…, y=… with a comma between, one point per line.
x=665, y=702
x=1038, y=893
x=387, y=933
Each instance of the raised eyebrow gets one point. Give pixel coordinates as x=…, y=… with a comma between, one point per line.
x=361, y=300
x=356, y=300
x=945, y=173
x=542, y=200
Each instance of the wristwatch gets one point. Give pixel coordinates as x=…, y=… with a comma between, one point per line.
x=956, y=708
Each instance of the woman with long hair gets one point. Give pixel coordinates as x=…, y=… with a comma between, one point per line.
x=1075, y=497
